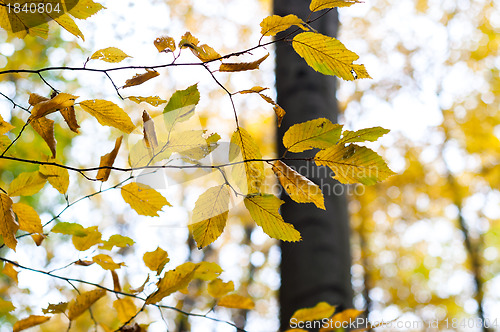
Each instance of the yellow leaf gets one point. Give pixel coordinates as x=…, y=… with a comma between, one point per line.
x=6, y=306
x=219, y=288
x=243, y=147
x=68, y=24
x=318, y=133
x=165, y=44
x=106, y=262
x=353, y=164
x=108, y=114
x=83, y=301
x=318, y=312
x=210, y=215
x=116, y=240
x=273, y=24
x=125, y=309
x=236, y=302
x=341, y=318
x=255, y=89
x=38, y=239
x=5, y=126
x=205, y=53
x=35, y=98
x=22, y=23
x=59, y=308
x=317, y=5
x=85, y=8
x=363, y=135
x=149, y=131
x=328, y=56
x=110, y=54
x=31, y=321
x=143, y=199
x=173, y=281
x=58, y=177
x=8, y=270
x=60, y=101
x=45, y=128
x=26, y=184
x=156, y=260
x=141, y=78
x=69, y=116
x=154, y=101
x=242, y=66
x=300, y=188
x=264, y=209
x=107, y=161
x=92, y=237
x=207, y=271
x=188, y=40
x=28, y=219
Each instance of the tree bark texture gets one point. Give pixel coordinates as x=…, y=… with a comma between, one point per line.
x=317, y=268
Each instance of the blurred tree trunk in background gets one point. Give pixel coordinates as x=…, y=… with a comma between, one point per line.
x=318, y=268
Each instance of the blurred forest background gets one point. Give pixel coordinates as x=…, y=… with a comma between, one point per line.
x=425, y=243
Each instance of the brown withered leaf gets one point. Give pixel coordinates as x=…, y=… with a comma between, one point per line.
x=107, y=161
x=45, y=128
x=116, y=281
x=242, y=66
x=141, y=78
x=149, y=131
x=69, y=116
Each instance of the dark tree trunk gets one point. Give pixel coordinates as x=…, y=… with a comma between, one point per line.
x=318, y=268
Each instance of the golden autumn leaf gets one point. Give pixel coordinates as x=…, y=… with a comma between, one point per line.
x=219, y=288
x=165, y=44
x=106, y=262
x=8, y=270
x=35, y=98
x=210, y=215
x=108, y=113
x=318, y=133
x=58, y=308
x=68, y=24
x=21, y=24
x=264, y=210
x=26, y=184
x=317, y=5
x=44, y=107
x=141, y=78
x=300, y=188
x=45, y=128
x=242, y=66
x=181, y=105
x=341, y=318
x=207, y=271
x=69, y=116
x=363, y=135
x=353, y=164
x=188, y=40
x=173, y=281
x=149, y=131
x=318, y=312
x=328, y=56
x=91, y=237
x=110, y=54
x=58, y=177
x=273, y=24
x=5, y=126
x=154, y=101
x=83, y=301
x=107, y=161
x=28, y=322
x=255, y=89
x=156, y=260
x=125, y=308
x=116, y=281
x=85, y=8
x=236, y=302
x=143, y=199
x=38, y=239
x=116, y=240
x=248, y=175
x=205, y=53
x=28, y=218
